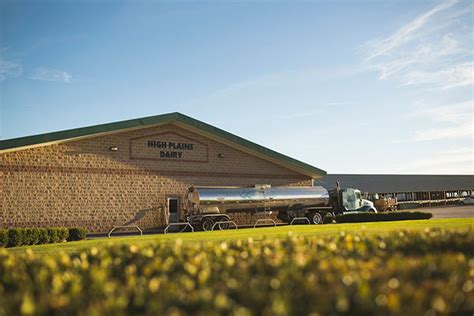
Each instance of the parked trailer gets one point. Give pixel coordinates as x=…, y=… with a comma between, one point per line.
x=381, y=202
x=208, y=205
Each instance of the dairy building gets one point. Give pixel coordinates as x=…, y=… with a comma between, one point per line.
x=131, y=172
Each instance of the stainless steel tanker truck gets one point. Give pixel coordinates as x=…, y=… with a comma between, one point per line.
x=208, y=205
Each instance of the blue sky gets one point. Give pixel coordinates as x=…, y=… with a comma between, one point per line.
x=348, y=86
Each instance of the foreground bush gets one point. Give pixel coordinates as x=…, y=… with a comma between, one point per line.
x=3, y=237
x=63, y=234
x=30, y=236
x=77, y=233
x=381, y=217
x=43, y=236
x=406, y=273
x=15, y=237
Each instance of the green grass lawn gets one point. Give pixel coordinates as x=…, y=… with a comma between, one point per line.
x=375, y=228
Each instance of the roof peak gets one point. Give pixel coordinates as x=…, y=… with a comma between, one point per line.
x=157, y=120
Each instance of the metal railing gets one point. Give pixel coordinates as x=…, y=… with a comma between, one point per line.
x=262, y=221
x=179, y=224
x=125, y=226
x=300, y=219
x=223, y=222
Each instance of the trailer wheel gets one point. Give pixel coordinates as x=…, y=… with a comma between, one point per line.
x=223, y=226
x=316, y=218
x=207, y=224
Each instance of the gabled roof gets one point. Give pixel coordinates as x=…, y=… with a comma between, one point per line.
x=157, y=120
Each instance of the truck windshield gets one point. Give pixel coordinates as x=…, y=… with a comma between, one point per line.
x=349, y=199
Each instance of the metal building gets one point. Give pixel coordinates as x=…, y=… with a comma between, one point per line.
x=423, y=190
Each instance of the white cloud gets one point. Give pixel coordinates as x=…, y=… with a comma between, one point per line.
x=54, y=75
x=9, y=69
x=459, y=160
x=434, y=50
x=453, y=121
x=453, y=113
x=405, y=33
x=450, y=77
x=455, y=132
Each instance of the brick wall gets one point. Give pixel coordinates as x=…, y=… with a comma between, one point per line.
x=2, y=208
x=83, y=183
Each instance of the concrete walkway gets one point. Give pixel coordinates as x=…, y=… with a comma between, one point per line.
x=450, y=211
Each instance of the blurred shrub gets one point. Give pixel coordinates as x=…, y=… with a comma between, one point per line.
x=63, y=234
x=381, y=217
x=3, y=237
x=30, y=236
x=15, y=237
x=77, y=233
x=43, y=236
x=404, y=273
x=26, y=238
x=53, y=235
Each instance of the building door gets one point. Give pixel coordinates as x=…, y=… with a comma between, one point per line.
x=173, y=210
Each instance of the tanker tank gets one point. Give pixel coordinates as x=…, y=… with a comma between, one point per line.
x=258, y=198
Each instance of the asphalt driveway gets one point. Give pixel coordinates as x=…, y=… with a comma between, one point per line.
x=466, y=211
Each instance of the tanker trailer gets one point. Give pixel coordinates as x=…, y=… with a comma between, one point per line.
x=208, y=205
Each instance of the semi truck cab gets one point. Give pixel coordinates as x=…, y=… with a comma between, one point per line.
x=352, y=202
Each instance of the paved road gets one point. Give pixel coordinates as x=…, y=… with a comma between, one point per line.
x=450, y=212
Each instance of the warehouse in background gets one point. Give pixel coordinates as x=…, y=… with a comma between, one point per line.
x=131, y=172
x=410, y=191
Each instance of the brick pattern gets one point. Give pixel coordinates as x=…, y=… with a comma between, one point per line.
x=83, y=183
x=51, y=169
x=2, y=194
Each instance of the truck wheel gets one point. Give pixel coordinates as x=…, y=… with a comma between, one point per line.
x=222, y=226
x=316, y=218
x=207, y=224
